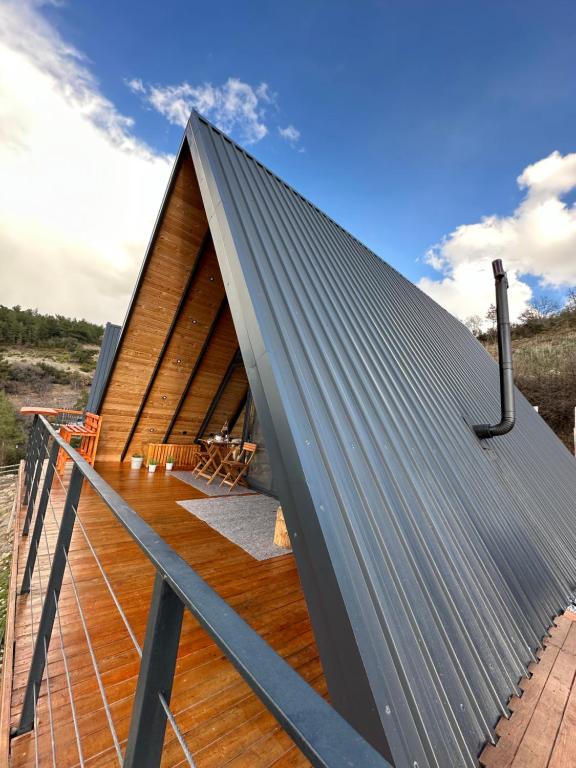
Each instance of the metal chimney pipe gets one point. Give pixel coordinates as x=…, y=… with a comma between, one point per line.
x=508, y=410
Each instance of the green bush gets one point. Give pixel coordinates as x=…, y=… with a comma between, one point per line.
x=12, y=433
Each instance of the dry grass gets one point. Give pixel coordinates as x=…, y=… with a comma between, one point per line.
x=545, y=372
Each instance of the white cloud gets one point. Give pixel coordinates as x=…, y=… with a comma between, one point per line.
x=290, y=134
x=235, y=106
x=136, y=85
x=79, y=192
x=538, y=239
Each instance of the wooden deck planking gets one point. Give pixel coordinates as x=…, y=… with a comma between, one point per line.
x=222, y=719
x=541, y=730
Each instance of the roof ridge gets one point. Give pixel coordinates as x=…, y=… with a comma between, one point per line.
x=198, y=115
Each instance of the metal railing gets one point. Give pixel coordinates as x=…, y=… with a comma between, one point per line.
x=322, y=735
x=9, y=469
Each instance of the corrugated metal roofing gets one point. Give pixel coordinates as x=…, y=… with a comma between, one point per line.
x=433, y=562
x=103, y=366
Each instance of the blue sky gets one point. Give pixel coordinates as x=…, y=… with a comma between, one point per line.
x=415, y=118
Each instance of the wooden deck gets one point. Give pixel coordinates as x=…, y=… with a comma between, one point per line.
x=223, y=721
x=541, y=733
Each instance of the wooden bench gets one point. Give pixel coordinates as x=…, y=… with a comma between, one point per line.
x=183, y=455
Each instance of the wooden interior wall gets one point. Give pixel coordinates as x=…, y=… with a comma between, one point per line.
x=219, y=355
x=201, y=306
x=179, y=234
x=231, y=400
x=179, y=340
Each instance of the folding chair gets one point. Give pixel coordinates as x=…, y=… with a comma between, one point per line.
x=235, y=469
x=204, y=456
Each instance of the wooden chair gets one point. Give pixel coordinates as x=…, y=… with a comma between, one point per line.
x=89, y=434
x=89, y=443
x=235, y=469
x=204, y=458
x=213, y=469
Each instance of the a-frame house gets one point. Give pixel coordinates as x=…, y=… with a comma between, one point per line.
x=432, y=561
x=416, y=544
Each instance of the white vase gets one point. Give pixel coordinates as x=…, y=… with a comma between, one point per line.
x=152, y=467
x=169, y=465
x=136, y=462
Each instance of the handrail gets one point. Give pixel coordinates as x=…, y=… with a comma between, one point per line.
x=508, y=410
x=323, y=736
x=9, y=469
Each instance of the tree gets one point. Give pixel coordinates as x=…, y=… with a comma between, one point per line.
x=539, y=309
x=492, y=317
x=570, y=305
x=545, y=306
x=474, y=324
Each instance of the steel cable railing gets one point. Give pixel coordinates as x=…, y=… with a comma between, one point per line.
x=44, y=597
x=48, y=463
x=97, y=673
x=318, y=731
x=170, y=715
x=63, y=650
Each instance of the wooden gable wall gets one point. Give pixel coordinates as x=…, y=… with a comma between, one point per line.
x=179, y=338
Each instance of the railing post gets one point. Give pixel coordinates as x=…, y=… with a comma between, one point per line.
x=41, y=442
x=148, y=721
x=46, y=624
x=40, y=515
x=30, y=456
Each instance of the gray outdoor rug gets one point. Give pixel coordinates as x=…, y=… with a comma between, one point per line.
x=214, y=489
x=247, y=521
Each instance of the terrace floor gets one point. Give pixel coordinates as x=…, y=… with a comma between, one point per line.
x=541, y=733
x=223, y=722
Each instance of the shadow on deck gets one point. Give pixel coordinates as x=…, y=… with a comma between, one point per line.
x=83, y=717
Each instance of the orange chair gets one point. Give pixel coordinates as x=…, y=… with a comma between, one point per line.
x=89, y=433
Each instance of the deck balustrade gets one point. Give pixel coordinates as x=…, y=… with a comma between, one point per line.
x=321, y=734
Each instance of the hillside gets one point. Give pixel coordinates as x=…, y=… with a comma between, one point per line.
x=545, y=365
x=51, y=359
x=44, y=359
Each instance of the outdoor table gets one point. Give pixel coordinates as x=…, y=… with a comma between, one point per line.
x=218, y=450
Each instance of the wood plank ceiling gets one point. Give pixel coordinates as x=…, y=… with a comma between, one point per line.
x=179, y=342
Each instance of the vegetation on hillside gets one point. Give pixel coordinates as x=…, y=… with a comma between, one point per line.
x=27, y=327
x=44, y=360
x=12, y=433
x=544, y=346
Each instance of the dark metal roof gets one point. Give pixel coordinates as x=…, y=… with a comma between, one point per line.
x=432, y=562
x=103, y=366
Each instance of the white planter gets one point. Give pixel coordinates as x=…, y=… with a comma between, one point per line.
x=169, y=465
x=136, y=463
x=152, y=467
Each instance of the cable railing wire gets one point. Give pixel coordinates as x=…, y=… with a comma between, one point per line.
x=95, y=665
x=322, y=735
x=169, y=714
x=91, y=652
x=63, y=651
x=109, y=585
x=177, y=731
x=36, y=760
x=48, y=689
